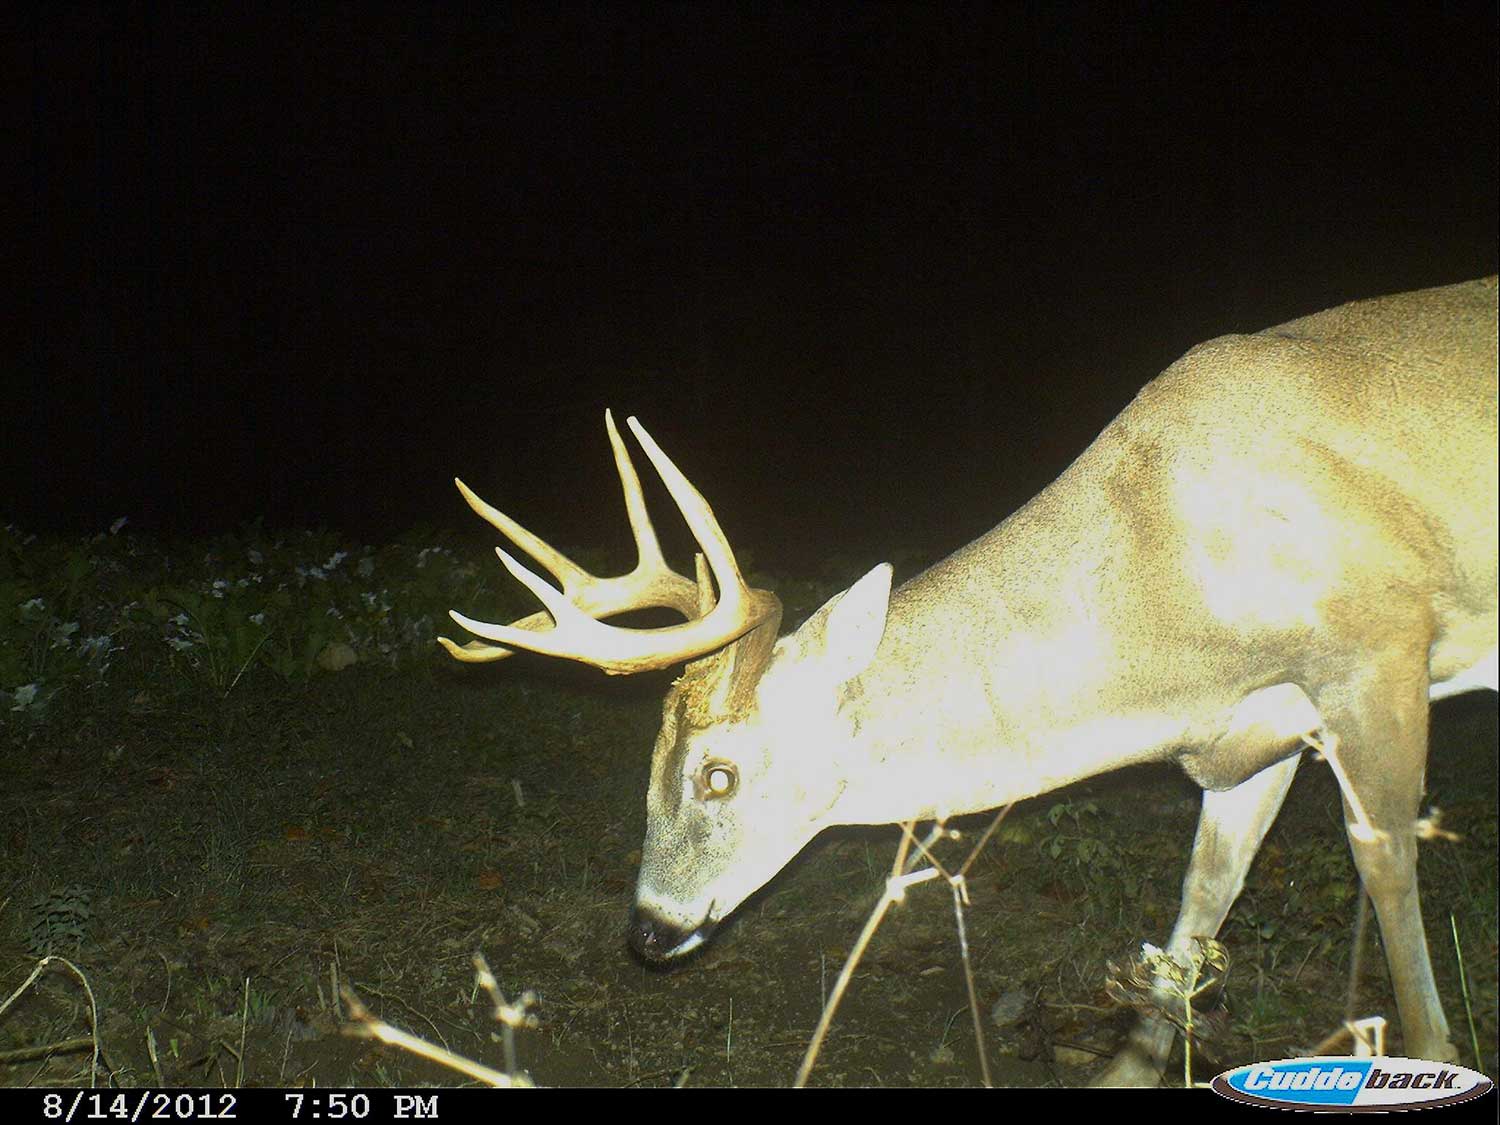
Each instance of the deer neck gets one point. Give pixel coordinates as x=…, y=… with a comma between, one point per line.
x=1009, y=669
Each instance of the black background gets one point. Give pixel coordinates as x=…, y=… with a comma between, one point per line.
x=873, y=274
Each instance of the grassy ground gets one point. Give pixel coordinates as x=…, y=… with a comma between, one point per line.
x=219, y=851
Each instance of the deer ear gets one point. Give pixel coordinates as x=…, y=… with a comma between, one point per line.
x=843, y=635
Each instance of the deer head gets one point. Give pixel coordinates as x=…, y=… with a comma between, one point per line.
x=731, y=799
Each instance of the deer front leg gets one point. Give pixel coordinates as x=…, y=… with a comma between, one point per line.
x=1381, y=756
x=1388, y=869
x=1230, y=828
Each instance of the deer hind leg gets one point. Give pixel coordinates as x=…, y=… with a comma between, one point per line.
x=1376, y=739
x=1230, y=828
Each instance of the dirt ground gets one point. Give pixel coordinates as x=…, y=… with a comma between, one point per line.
x=217, y=874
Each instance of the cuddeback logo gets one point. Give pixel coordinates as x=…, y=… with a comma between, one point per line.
x=1354, y=1084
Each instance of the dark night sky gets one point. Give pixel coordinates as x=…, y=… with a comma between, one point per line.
x=873, y=274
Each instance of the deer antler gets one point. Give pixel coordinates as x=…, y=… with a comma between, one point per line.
x=577, y=634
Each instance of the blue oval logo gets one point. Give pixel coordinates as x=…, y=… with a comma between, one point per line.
x=1344, y=1082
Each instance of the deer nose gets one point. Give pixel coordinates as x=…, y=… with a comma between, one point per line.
x=657, y=939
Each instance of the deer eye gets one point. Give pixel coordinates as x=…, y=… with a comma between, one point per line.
x=717, y=779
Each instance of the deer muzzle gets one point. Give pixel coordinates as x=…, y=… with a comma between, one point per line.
x=657, y=939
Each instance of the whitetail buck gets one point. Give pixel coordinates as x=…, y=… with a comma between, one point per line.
x=1287, y=536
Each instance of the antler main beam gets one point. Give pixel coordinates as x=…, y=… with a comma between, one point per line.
x=575, y=609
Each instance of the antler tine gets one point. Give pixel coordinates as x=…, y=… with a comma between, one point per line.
x=477, y=652
x=700, y=519
x=569, y=574
x=647, y=546
x=576, y=633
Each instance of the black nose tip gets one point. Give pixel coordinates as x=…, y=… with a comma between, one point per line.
x=655, y=938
